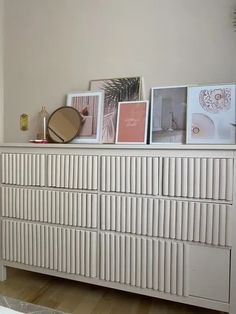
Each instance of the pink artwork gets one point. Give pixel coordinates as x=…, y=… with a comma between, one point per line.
x=132, y=122
x=90, y=106
x=87, y=107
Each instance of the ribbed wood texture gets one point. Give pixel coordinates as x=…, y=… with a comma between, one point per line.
x=155, y=204
x=73, y=172
x=61, y=249
x=145, y=263
x=23, y=169
x=138, y=175
x=189, y=221
x=206, y=178
x=67, y=208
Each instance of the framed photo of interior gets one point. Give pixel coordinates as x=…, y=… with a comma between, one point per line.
x=168, y=114
x=116, y=90
x=132, y=122
x=211, y=114
x=90, y=106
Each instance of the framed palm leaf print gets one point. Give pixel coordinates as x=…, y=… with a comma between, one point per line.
x=116, y=90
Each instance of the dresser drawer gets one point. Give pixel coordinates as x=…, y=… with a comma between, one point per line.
x=73, y=171
x=209, y=271
x=60, y=249
x=144, y=263
x=201, y=178
x=55, y=207
x=166, y=266
x=23, y=169
x=126, y=174
x=181, y=220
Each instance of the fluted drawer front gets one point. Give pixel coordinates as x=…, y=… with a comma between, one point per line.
x=73, y=172
x=145, y=263
x=61, y=249
x=206, y=178
x=191, y=221
x=139, y=175
x=23, y=169
x=67, y=208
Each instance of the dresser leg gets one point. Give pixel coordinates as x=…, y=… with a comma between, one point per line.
x=232, y=309
x=3, y=272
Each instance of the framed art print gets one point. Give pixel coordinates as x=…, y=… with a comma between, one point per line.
x=116, y=90
x=211, y=114
x=168, y=114
x=132, y=122
x=90, y=106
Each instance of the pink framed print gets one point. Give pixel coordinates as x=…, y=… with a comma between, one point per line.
x=132, y=122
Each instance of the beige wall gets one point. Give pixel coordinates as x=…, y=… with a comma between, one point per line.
x=53, y=47
x=1, y=68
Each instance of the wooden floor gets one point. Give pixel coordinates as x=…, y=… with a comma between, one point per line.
x=79, y=298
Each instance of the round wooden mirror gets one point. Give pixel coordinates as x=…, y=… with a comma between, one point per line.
x=64, y=124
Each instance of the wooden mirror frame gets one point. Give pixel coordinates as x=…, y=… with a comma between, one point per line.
x=64, y=124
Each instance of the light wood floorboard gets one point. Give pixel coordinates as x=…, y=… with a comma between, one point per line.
x=79, y=298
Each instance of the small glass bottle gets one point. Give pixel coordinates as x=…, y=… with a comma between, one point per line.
x=24, y=122
x=42, y=125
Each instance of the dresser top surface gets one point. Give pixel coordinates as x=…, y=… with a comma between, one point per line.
x=119, y=146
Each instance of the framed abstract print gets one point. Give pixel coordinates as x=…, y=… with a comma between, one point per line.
x=211, y=114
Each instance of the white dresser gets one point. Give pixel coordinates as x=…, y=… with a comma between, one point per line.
x=158, y=221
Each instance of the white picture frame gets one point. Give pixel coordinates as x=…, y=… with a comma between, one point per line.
x=168, y=115
x=90, y=105
x=211, y=114
x=132, y=122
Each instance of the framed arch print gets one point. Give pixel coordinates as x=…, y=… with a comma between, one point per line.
x=90, y=106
